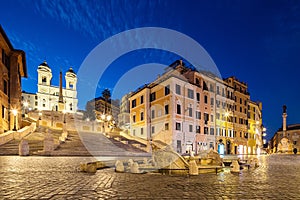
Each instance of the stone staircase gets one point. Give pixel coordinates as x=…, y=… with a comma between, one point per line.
x=77, y=144
x=127, y=144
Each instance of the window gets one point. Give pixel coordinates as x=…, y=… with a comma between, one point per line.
x=44, y=80
x=178, y=89
x=206, y=130
x=218, y=115
x=166, y=109
x=3, y=112
x=133, y=103
x=153, y=129
x=198, y=96
x=211, y=88
x=241, y=110
x=211, y=118
x=197, y=82
x=212, y=131
x=71, y=85
x=152, y=114
x=218, y=131
x=35, y=97
x=179, y=109
x=178, y=126
x=190, y=94
x=206, y=117
x=152, y=96
x=241, y=100
x=133, y=131
x=36, y=103
x=197, y=129
x=142, y=99
x=190, y=128
x=178, y=148
x=218, y=90
x=205, y=99
x=166, y=126
x=133, y=118
x=71, y=106
x=190, y=112
x=167, y=90
x=5, y=88
x=212, y=100
x=5, y=59
x=198, y=115
x=142, y=116
x=142, y=131
x=159, y=113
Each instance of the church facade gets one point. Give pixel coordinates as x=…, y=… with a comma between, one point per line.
x=49, y=97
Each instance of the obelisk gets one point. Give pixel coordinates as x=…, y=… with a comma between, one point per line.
x=61, y=104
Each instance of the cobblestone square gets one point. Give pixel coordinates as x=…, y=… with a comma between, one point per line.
x=58, y=178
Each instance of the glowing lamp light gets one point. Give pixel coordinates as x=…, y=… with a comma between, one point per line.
x=15, y=112
x=108, y=117
x=258, y=151
x=103, y=117
x=226, y=114
x=25, y=104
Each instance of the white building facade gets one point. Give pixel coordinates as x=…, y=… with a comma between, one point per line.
x=48, y=95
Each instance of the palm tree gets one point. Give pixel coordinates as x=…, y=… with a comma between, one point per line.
x=106, y=95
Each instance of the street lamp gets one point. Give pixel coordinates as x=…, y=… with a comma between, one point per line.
x=40, y=117
x=64, y=112
x=25, y=104
x=15, y=112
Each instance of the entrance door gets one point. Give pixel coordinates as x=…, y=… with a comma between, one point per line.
x=235, y=149
x=228, y=147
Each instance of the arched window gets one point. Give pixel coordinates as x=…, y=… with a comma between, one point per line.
x=44, y=80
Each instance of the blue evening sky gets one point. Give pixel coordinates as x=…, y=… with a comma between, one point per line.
x=256, y=41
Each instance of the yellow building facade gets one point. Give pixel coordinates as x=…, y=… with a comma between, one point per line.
x=193, y=111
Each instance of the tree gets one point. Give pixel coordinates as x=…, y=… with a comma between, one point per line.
x=90, y=110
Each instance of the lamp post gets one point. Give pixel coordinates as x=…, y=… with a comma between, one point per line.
x=25, y=104
x=103, y=122
x=108, y=117
x=15, y=112
x=40, y=118
x=64, y=112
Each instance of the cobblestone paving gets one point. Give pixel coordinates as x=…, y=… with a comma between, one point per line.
x=278, y=177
